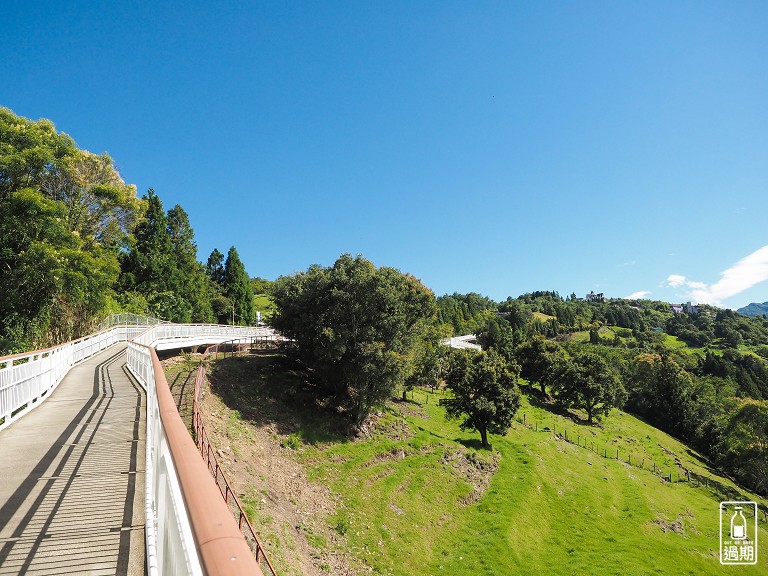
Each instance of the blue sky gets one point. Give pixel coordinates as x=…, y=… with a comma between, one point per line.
x=496, y=147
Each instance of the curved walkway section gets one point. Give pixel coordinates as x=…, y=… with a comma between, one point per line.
x=72, y=476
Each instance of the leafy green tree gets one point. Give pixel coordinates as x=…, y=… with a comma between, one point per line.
x=30, y=152
x=237, y=287
x=194, y=286
x=52, y=286
x=427, y=360
x=538, y=357
x=162, y=265
x=588, y=383
x=743, y=447
x=357, y=327
x=661, y=391
x=214, y=268
x=486, y=396
x=66, y=212
x=497, y=334
x=150, y=265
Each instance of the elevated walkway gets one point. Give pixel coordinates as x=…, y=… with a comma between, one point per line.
x=72, y=476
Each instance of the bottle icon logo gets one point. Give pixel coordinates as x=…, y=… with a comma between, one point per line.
x=738, y=532
x=738, y=525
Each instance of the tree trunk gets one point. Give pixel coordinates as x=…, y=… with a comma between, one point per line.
x=484, y=437
x=405, y=391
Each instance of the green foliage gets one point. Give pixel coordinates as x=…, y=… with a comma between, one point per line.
x=465, y=313
x=661, y=391
x=587, y=382
x=237, y=287
x=65, y=212
x=356, y=326
x=485, y=390
x=744, y=444
x=162, y=266
x=214, y=268
x=537, y=358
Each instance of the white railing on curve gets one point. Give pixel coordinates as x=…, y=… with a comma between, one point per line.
x=128, y=318
x=27, y=379
x=170, y=544
x=164, y=509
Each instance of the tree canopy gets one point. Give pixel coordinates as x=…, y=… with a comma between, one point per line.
x=66, y=214
x=357, y=327
x=485, y=392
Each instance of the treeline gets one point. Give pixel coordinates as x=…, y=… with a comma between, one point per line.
x=716, y=400
x=77, y=244
x=161, y=276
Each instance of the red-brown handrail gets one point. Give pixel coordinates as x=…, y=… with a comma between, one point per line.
x=212, y=463
x=220, y=544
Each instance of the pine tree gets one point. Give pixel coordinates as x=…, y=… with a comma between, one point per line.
x=237, y=287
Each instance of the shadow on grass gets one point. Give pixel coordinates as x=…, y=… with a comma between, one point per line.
x=539, y=400
x=269, y=388
x=474, y=443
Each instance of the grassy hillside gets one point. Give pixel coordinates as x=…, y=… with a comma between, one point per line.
x=418, y=497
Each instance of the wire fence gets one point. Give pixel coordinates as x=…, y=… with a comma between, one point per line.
x=670, y=474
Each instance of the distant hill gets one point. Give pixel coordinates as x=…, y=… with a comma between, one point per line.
x=754, y=309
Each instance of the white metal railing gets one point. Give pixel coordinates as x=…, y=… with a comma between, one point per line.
x=29, y=378
x=166, y=512
x=128, y=318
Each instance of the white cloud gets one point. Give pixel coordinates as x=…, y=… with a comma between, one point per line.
x=637, y=295
x=676, y=280
x=747, y=272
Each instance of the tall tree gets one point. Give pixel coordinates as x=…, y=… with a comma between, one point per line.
x=152, y=266
x=661, y=391
x=237, y=286
x=744, y=444
x=65, y=213
x=485, y=390
x=587, y=382
x=538, y=357
x=194, y=283
x=356, y=326
x=214, y=268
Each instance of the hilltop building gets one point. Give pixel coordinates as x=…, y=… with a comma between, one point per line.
x=592, y=297
x=692, y=309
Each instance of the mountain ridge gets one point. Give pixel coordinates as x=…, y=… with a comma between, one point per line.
x=754, y=309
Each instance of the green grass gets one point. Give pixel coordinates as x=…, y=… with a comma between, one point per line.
x=605, y=332
x=543, y=317
x=407, y=504
x=551, y=508
x=263, y=303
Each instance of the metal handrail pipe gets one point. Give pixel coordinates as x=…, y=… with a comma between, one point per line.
x=220, y=544
x=28, y=378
